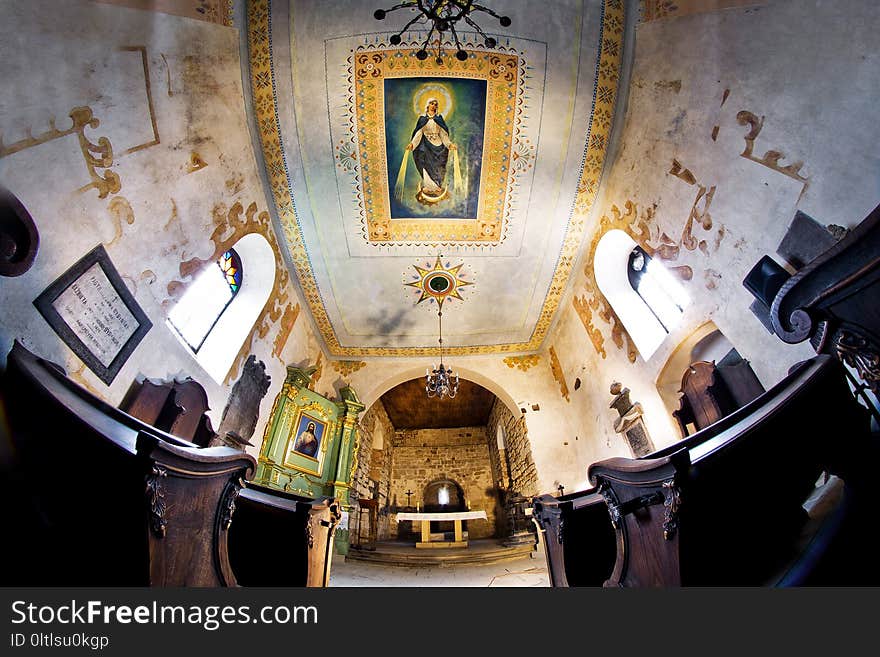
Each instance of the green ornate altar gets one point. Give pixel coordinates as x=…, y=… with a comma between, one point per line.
x=310, y=444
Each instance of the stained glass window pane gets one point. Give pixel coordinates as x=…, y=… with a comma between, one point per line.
x=230, y=265
x=204, y=302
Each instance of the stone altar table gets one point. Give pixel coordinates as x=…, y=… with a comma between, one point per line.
x=455, y=516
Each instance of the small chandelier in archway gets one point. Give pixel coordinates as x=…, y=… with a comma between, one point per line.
x=439, y=283
x=441, y=382
x=442, y=15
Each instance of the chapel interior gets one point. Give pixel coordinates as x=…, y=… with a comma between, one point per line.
x=588, y=282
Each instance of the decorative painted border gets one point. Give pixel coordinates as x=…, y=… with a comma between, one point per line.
x=266, y=110
x=504, y=74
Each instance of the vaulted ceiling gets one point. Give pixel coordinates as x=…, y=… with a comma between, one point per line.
x=335, y=104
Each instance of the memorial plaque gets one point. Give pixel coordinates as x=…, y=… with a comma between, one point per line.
x=91, y=309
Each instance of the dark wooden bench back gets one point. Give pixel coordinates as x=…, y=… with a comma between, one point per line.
x=579, y=541
x=724, y=507
x=304, y=527
x=97, y=497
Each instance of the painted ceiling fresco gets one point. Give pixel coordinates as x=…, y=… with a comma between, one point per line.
x=380, y=164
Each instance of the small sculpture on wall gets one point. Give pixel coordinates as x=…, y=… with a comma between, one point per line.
x=629, y=421
x=243, y=408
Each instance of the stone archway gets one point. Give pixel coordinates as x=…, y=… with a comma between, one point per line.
x=444, y=494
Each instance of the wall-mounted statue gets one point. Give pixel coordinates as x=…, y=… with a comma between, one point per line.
x=629, y=421
x=243, y=408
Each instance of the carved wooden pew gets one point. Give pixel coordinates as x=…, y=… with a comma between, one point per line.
x=835, y=302
x=579, y=542
x=96, y=497
x=299, y=528
x=724, y=507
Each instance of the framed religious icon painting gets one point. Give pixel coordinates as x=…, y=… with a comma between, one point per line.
x=92, y=310
x=305, y=445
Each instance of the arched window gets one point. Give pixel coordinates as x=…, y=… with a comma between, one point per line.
x=643, y=294
x=206, y=300
x=219, y=310
x=657, y=288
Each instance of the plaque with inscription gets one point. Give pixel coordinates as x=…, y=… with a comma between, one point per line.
x=92, y=310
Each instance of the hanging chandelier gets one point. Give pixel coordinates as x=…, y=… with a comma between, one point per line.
x=437, y=283
x=442, y=15
x=441, y=382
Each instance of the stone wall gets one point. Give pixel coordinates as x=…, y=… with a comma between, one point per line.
x=422, y=456
x=372, y=475
x=515, y=458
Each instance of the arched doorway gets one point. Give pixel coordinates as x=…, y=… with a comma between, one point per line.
x=413, y=450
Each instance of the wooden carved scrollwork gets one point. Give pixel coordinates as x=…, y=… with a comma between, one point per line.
x=230, y=495
x=671, y=503
x=611, y=502
x=860, y=354
x=310, y=534
x=156, y=493
x=335, y=517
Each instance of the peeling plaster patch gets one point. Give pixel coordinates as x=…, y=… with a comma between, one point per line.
x=719, y=236
x=120, y=210
x=287, y=322
x=684, y=272
x=79, y=377
x=348, y=367
x=316, y=375
x=668, y=85
x=148, y=275
x=195, y=163
x=522, y=362
x=680, y=172
x=771, y=158
x=235, y=184
x=712, y=277
x=167, y=74
x=676, y=126
x=556, y=368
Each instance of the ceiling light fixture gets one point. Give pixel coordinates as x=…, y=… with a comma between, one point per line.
x=442, y=15
x=439, y=283
x=441, y=382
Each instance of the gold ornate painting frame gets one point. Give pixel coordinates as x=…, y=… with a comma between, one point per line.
x=501, y=71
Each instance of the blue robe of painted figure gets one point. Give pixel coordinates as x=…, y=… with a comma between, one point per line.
x=431, y=158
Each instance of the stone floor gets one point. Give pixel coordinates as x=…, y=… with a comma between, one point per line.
x=530, y=571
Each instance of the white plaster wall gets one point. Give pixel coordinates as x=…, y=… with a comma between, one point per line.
x=810, y=68
x=56, y=56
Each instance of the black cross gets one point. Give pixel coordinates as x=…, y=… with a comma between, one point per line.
x=408, y=494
